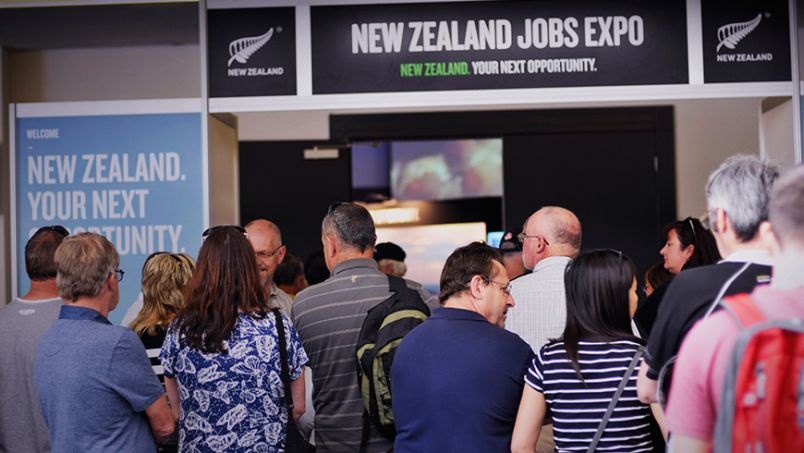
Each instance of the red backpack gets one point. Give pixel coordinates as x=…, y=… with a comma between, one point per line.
x=762, y=404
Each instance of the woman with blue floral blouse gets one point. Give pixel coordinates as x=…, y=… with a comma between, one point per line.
x=221, y=355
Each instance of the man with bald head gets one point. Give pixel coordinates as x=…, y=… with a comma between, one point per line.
x=550, y=238
x=266, y=239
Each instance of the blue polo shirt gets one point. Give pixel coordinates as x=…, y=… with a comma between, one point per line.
x=94, y=382
x=456, y=383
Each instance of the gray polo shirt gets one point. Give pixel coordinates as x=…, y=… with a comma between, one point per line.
x=22, y=324
x=328, y=317
x=94, y=382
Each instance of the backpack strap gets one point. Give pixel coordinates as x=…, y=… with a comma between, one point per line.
x=610, y=410
x=744, y=310
x=283, y=357
x=397, y=284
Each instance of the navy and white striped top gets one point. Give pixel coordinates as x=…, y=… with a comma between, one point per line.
x=577, y=406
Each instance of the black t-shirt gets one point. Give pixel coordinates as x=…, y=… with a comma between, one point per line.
x=645, y=316
x=687, y=300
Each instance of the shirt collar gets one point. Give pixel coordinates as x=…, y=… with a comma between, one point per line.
x=81, y=313
x=750, y=256
x=457, y=313
x=355, y=263
x=552, y=261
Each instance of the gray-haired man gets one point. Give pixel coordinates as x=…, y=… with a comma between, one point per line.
x=737, y=197
x=328, y=317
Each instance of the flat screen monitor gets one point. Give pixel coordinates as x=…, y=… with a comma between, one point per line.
x=428, y=247
x=446, y=169
x=493, y=238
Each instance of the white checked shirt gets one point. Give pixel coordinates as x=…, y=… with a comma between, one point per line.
x=540, y=312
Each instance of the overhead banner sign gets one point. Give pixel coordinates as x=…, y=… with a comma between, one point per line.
x=746, y=41
x=491, y=45
x=136, y=179
x=252, y=52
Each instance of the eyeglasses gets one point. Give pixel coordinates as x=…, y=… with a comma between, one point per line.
x=57, y=228
x=522, y=236
x=265, y=255
x=211, y=230
x=711, y=220
x=119, y=273
x=505, y=287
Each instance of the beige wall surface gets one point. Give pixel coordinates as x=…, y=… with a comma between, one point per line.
x=776, y=134
x=707, y=132
x=149, y=72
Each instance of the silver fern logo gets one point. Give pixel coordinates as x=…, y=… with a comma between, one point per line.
x=730, y=35
x=240, y=50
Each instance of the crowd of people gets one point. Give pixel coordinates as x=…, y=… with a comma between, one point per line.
x=535, y=345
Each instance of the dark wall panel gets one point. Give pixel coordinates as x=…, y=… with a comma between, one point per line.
x=606, y=178
x=278, y=184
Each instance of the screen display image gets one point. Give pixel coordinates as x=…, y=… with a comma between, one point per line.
x=446, y=169
x=428, y=247
x=493, y=238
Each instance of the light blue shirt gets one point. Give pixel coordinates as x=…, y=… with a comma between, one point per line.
x=94, y=382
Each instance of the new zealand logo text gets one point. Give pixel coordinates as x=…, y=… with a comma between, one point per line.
x=240, y=50
x=730, y=35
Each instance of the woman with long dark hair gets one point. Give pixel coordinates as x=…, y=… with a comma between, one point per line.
x=687, y=245
x=221, y=355
x=577, y=376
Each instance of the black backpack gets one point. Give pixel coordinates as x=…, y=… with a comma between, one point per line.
x=382, y=331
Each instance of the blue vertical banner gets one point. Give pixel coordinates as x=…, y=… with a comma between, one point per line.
x=136, y=179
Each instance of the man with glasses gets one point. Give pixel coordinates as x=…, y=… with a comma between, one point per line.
x=329, y=316
x=457, y=379
x=737, y=197
x=266, y=239
x=706, y=353
x=22, y=324
x=96, y=388
x=550, y=238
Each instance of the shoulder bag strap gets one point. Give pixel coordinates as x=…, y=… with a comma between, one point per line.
x=605, y=421
x=283, y=357
x=723, y=290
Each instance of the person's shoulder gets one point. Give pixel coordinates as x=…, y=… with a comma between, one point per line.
x=511, y=340
x=700, y=281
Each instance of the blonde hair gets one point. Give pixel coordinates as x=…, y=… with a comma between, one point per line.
x=164, y=276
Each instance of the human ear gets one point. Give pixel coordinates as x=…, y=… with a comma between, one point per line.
x=768, y=237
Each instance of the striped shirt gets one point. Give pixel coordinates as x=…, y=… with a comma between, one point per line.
x=577, y=407
x=153, y=345
x=328, y=317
